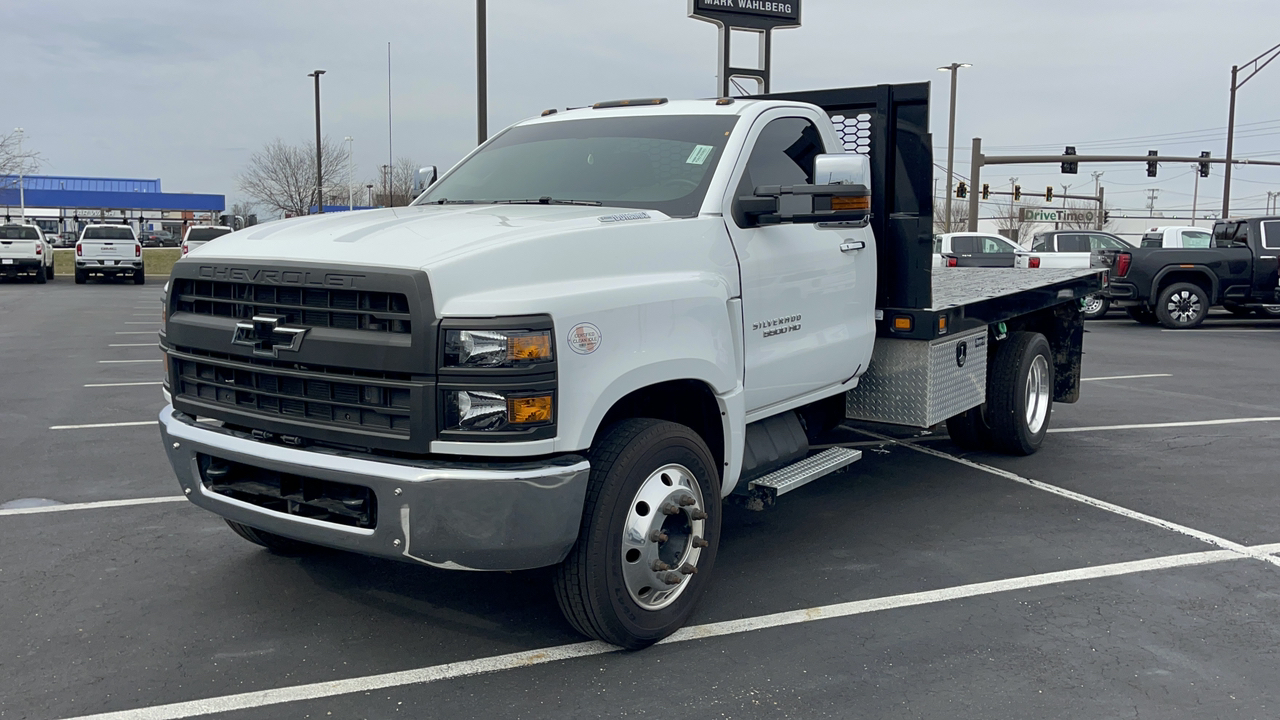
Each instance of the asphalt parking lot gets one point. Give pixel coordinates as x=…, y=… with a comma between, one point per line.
x=1131, y=568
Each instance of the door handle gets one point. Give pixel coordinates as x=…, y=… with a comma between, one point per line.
x=852, y=245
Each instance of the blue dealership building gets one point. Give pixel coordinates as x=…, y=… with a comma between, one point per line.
x=64, y=203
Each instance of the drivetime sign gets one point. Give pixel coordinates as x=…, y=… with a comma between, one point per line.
x=761, y=14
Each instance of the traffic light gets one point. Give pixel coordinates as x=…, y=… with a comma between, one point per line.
x=986, y=191
x=1048, y=193
x=1204, y=166
x=962, y=190
x=1106, y=216
x=1151, y=164
x=1070, y=168
x=1017, y=193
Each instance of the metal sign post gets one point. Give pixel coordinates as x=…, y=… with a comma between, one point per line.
x=757, y=16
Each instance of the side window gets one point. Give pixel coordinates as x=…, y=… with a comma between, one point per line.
x=1271, y=234
x=1193, y=239
x=937, y=244
x=1073, y=243
x=1038, y=245
x=1105, y=242
x=995, y=245
x=1224, y=234
x=1153, y=240
x=783, y=155
x=967, y=244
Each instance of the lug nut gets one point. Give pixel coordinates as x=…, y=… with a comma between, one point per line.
x=659, y=566
x=698, y=515
x=670, y=509
x=687, y=500
x=699, y=542
x=672, y=578
x=658, y=536
x=687, y=569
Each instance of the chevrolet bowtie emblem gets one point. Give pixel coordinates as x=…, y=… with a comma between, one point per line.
x=267, y=338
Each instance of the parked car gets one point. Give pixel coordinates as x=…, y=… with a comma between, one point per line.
x=24, y=251
x=1076, y=249
x=109, y=250
x=198, y=235
x=64, y=239
x=1177, y=237
x=157, y=238
x=1176, y=286
x=973, y=249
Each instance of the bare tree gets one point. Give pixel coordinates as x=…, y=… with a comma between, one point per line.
x=959, y=216
x=15, y=159
x=402, y=177
x=283, y=177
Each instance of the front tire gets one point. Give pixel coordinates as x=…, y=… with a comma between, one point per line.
x=1020, y=393
x=1142, y=315
x=649, y=535
x=1096, y=306
x=1182, y=306
x=277, y=544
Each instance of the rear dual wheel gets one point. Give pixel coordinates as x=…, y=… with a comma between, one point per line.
x=1015, y=418
x=649, y=534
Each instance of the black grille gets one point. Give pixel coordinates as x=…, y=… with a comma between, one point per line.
x=309, y=307
x=325, y=500
x=336, y=400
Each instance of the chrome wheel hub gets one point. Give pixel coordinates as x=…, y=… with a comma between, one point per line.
x=1037, y=394
x=1184, y=306
x=1092, y=304
x=663, y=537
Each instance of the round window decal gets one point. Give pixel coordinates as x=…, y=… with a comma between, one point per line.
x=584, y=338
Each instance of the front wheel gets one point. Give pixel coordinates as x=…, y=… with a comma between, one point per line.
x=649, y=534
x=1182, y=306
x=1096, y=306
x=1020, y=393
x=1269, y=311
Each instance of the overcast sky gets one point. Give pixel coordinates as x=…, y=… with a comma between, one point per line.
x=185, y=91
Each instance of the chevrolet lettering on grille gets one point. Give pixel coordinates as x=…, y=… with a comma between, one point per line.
x=267, y=337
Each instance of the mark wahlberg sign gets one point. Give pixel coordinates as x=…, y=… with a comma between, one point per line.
x=748, y=13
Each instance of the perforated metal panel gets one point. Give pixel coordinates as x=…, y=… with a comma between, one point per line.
x=854, y=132
x=921, y=382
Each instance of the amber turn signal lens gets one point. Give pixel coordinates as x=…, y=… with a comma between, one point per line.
x=529, y=347
x=529, y=410
x=902, y=322
x=851, y=203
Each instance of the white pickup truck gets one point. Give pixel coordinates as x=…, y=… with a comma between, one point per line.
x=1176, y=236
x=1074, y=249
x=24, y=250
x=197, y=235
x=108, y=251
x=589, y=333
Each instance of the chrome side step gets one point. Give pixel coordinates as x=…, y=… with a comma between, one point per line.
x=764, y=491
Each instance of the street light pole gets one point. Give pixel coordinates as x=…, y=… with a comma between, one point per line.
x=482, y=74
x=22, y=184
x=350, y=173
x=319, y=169
x=953, y=68
x=1257, y=64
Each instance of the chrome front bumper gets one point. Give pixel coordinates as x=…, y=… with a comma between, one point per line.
x=457, y=515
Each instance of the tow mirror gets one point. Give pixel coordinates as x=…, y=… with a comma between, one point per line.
x=841, y=194
x=423, y=179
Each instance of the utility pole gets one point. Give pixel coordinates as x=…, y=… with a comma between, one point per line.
x=351, y=205
x=1013, y=222
x=1152, y=193
x=1097, y=192
x=22, y=183
x=1102, y=207
x=954, y=69
x=1195, y=197
x=482, y=75
x=1257, y=64
x=319, y=169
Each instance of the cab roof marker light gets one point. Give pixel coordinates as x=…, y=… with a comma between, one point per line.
x=549, y=111
x=628, y=103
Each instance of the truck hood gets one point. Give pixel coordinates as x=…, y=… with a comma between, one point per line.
x=417, y=237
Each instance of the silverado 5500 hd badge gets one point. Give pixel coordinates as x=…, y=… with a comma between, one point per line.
x=778, y=326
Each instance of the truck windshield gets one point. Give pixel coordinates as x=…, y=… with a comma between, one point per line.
x=108, y=233
x=12, y=232
x=662, y=163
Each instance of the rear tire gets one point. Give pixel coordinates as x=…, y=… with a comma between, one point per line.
x=1182, y=306
x=139, y=277
x=1020, y=393
x=81, y=276
x=1142, y=315
x=40, y=277
x=277, y=544
x=48, y=272
x=1096, y=306
x=610, y=587
x=969, y=430
x=1271, y=312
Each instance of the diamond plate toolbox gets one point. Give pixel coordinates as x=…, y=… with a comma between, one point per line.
x=921, y=382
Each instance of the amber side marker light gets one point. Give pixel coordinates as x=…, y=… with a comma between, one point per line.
x=851, y=203
x=903, y=323
x=529, y=410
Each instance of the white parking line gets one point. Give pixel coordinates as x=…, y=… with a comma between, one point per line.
x=515, y=661
x=130, y=322
x=1146, y=426
x=150, y=344
x=1225, y=330
x=92, y=505
x=139, y=332
x=125, y=384
x=1126, y=377
x=1087, y=500
x=150, y=314
x=103, y=425
x=117, y=362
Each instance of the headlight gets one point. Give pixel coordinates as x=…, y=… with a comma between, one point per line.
x=496, y=349
x=484, y=410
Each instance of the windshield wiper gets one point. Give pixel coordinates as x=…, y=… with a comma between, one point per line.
x=446, y=201
x=546, y=201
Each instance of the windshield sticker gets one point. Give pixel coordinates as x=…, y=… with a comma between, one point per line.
x=623, y=217
x=699, y=155
x=584, y=338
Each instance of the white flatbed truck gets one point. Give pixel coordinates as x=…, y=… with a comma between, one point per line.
x=590, y=333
